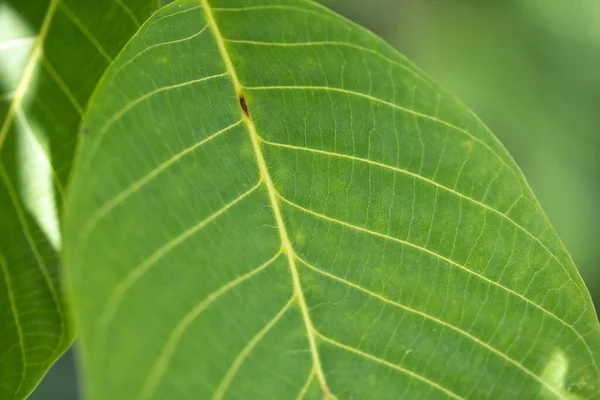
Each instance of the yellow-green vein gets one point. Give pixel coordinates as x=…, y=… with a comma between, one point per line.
x=126, y=108
x=32, y=245
x=162, y=362
x=434, y=254
x=478, y=341
x=266, y=178
x=82, y=28
x=15, y=313
x=114, y=201
x=129, y=13
x=62, y=85
x=503, y=215
x=239, y=360
x=388, y=364
x=392, y=105
x=138, y=271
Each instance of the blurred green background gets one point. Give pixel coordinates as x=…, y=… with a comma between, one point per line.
x=531, y=70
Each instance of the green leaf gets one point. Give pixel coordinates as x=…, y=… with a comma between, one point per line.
x=52, y=54
x=272, y=203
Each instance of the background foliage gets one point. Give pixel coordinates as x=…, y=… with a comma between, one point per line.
x=529, y=69
x=44, y=87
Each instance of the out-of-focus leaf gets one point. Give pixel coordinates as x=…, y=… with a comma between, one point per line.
x=52, y=54
x=273, y=203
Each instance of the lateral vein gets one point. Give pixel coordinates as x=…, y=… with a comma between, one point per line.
x=239, y=360
x=309, y=380
x=34, y=249
x=424, y=179
x=15, y=313
x=126, y=108
x=82, y=28
x=392, y=105
x=138, y=271
x=142, y=52
x=108, y=206
x=430, y=252
x=63, y=86
x=170, y=346
x=129, y=13
x=434, y=319
x=340, y=44
x=388, y=364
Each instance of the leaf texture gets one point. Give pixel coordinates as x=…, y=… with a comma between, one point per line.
x=52, y=54
x=272, y=203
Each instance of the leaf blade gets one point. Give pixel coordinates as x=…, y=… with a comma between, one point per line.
x=336, y=155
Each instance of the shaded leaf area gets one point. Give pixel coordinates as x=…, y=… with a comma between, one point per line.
x=52, y=54
x=359, y=234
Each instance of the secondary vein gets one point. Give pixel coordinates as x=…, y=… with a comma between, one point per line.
x=15, y=313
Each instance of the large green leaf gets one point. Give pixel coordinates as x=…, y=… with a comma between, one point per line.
x=52, y=54
x=272, y=203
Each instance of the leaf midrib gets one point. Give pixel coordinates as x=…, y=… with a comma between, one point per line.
x=266, y=179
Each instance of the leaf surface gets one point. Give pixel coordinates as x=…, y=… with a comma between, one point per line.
x=273, y=203
x=52, y=54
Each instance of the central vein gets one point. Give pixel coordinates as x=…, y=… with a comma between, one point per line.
x=266, y=178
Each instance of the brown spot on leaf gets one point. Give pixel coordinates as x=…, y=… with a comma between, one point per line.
x=244, y=105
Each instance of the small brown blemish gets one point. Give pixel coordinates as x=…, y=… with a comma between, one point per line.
x=85, y=131
x=244, y=105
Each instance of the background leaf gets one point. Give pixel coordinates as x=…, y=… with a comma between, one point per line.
x=52, y=54
x=361, y=235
